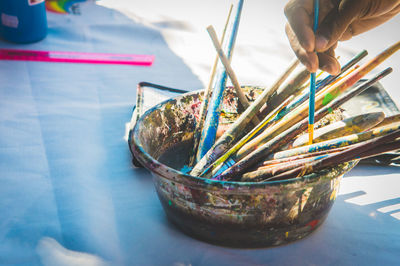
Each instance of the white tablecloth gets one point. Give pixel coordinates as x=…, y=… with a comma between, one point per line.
x=68, y=192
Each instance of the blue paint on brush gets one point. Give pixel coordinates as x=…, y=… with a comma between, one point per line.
x=312, y=100
x=211, y=123
x=313, y=76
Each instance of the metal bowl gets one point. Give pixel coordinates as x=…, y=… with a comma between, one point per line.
x=240, y=214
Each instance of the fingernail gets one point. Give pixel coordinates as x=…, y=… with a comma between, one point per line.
x=320, y=43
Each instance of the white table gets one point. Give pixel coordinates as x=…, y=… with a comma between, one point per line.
x=68, y=192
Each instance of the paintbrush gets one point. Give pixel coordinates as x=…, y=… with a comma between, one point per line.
x=206, y=98
x=285, y=137
x=339, y=142
x=292, y=87
x=351, y=125
x=381, y=149
x=237, y=129
x=311, y=109
x=336, y=81
x=369, y=148
x=271, y=163
x=316, y=78
x=262, y=173
x=272, y=172
x=212, y=118
x=389, y=120
x=357, y=58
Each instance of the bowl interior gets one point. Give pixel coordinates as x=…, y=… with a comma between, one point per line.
x=162, y=139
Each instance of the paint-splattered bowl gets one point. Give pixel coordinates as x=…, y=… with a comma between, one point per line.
x=241, y=214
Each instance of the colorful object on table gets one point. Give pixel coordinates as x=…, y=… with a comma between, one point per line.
x=206, y=99
x=286, y=136
x=238, y=127
x=351, y=125
x=23, y=21
x=76, y=57
x=63, y=6
x=312, y=82
x=212, y=118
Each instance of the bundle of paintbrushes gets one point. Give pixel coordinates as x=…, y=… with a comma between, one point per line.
x=276, y=147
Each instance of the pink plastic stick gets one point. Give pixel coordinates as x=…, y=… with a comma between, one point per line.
x=76, y=57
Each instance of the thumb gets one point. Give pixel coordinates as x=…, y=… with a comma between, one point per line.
x=337, y=21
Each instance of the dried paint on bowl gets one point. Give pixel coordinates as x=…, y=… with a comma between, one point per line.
x=241, y=214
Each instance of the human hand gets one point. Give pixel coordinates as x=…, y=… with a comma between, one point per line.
x=339, y=20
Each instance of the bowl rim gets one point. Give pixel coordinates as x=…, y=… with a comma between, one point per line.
x=136, y=146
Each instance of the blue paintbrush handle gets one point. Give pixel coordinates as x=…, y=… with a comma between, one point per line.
x=313, y=77
x=214, y=110
x=312, y=99
x=316, y=15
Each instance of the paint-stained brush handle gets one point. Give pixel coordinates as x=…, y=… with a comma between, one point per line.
x=206, y=99
x=313, y=79
x=211, y=123
x=369, y=148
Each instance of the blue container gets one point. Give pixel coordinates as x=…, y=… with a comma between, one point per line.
x=23, y=21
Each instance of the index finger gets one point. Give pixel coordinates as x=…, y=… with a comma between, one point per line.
x=299, y=15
